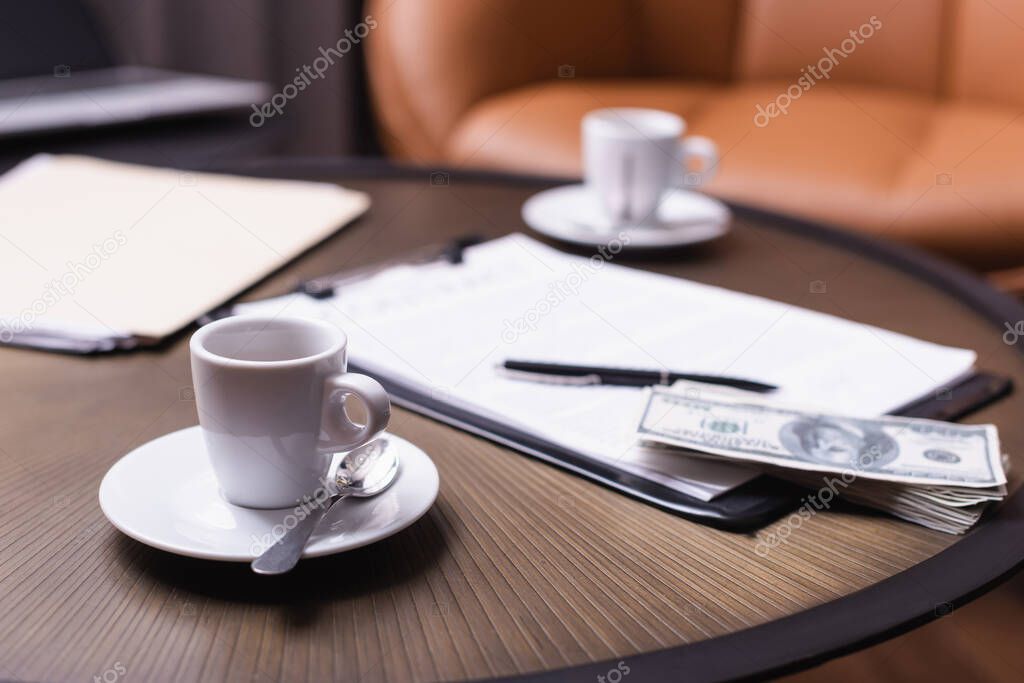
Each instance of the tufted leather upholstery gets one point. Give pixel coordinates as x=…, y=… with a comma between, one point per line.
x=916, y=133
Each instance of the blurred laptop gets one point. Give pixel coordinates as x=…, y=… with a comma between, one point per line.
x=57, y=73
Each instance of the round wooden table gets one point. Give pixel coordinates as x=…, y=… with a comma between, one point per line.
x=519, y=568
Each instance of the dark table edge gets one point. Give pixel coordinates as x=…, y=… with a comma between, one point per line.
x=929, y=590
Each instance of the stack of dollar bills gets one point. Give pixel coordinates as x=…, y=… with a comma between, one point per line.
x=938, y=474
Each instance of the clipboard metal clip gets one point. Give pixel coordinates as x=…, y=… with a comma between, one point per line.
x=325, y=286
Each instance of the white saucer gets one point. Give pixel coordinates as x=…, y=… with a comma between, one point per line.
x=571, y=213
x=164, y=494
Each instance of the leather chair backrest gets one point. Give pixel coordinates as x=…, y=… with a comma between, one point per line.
x=430, y=60
x=985, y=51
x=692, y=40
x=896, y=44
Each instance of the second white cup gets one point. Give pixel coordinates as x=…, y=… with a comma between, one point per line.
x=632, y=156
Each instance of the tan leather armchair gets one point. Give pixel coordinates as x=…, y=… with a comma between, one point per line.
x=899, y=118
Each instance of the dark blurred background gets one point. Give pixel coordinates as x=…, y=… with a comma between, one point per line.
x=261, y=40
x=258, y=40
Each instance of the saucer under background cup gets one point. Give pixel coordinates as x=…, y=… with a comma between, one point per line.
x=164, y=494
x=570, y=213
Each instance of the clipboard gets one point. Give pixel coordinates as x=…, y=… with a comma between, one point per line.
x=744, y=508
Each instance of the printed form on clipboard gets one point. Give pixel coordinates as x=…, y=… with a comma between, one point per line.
x=444, y=329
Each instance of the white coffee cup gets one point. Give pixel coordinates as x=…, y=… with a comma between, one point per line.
x=632, y=156
x=271, y=395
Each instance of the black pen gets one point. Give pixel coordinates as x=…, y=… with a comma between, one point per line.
x=588, y=374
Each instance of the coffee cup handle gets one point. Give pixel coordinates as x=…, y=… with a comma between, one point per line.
x=342, y=434
x=702, y=148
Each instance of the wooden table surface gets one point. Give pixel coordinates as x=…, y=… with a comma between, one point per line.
x=519, y=567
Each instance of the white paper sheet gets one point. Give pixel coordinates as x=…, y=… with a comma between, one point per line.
x=445, y=329
x=95, y=249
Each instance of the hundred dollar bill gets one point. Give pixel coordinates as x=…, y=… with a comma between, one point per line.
x=895, y=449
x=925, y=505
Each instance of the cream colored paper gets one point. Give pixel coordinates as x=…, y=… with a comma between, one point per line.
x=95, y=247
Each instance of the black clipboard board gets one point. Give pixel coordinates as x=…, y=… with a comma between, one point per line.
x=745, y=508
